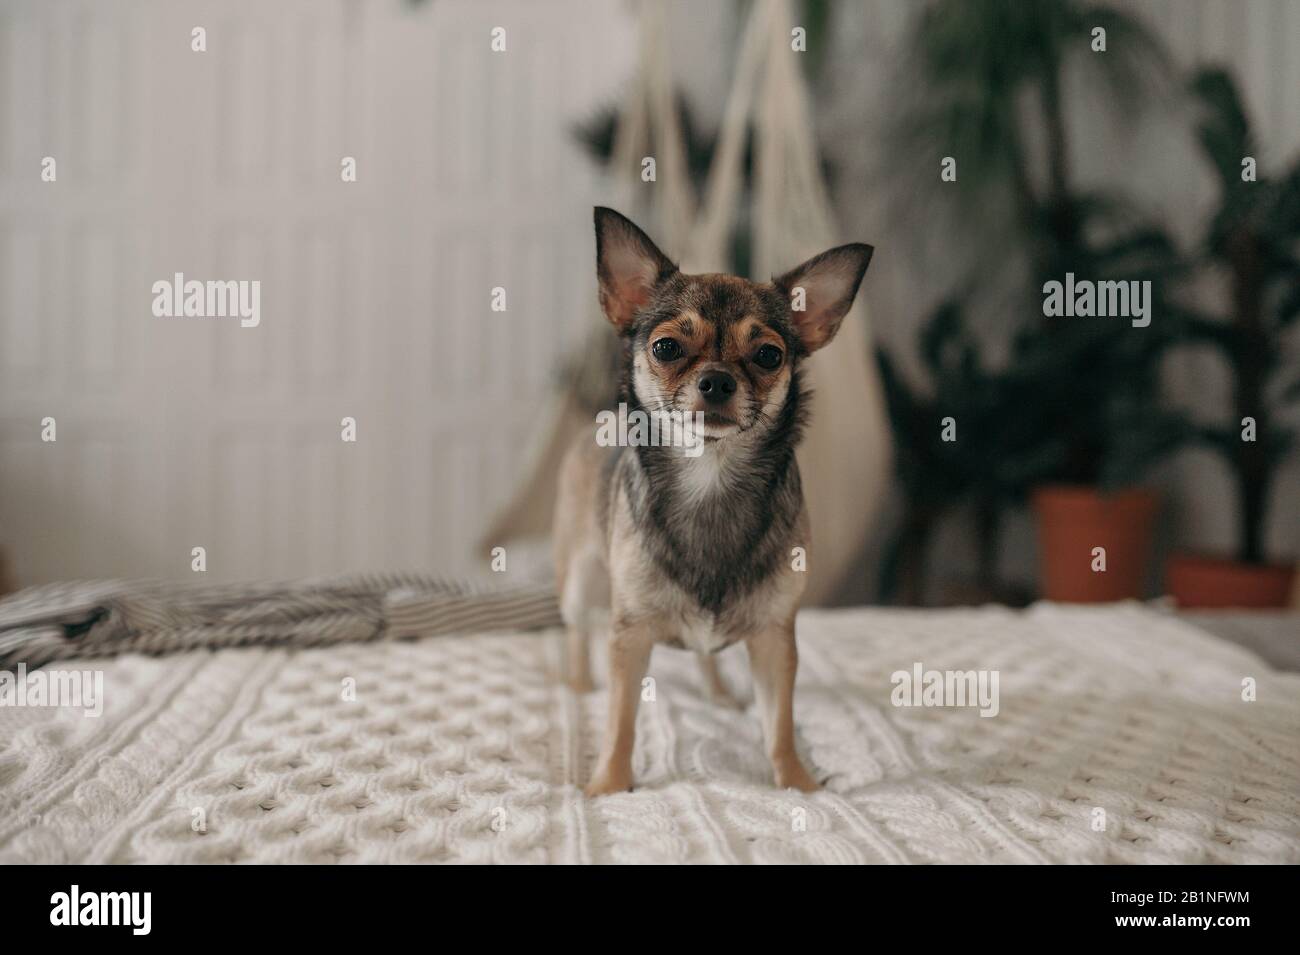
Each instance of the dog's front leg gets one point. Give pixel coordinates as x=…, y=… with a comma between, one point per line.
x=629, y=657
x=773, y=659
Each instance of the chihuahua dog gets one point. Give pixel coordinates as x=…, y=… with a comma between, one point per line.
x=697, y=550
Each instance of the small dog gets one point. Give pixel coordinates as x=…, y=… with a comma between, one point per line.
x=697, y=550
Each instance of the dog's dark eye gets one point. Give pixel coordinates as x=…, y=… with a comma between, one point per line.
x=665, y=349
x=768, y=357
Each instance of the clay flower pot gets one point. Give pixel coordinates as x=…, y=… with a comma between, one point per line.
x=1073, y=520
x=1195, y=581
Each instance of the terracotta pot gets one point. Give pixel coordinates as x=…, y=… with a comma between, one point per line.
x=1075, y=519
x=1195, y=581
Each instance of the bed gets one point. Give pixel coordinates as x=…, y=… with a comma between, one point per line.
x=1122, y=736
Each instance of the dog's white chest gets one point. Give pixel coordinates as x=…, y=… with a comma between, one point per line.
x=701, y=477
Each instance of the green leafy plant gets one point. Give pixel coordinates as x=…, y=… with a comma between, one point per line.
x=1083, y=392
x=1074, y=400
x=1253, y=236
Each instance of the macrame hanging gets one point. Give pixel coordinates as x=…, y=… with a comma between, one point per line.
x=845, y=455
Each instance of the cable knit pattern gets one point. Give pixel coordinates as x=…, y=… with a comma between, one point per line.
x=465, y=749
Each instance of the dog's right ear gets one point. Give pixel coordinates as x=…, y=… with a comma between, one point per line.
x=628, y=267
x=829, y=282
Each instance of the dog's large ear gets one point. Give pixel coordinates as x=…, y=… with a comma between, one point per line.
x=821, y=291
x=628, y=267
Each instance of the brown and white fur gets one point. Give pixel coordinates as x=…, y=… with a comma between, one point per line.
x=697, y=551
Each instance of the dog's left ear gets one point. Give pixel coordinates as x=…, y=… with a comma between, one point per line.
x=821, y=291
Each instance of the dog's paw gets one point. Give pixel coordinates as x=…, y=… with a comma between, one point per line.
x=796, y=777
x=606, y=782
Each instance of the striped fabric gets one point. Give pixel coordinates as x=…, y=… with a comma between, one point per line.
x=105, y=618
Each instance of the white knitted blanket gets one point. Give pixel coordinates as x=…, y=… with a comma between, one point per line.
x=1121, y=736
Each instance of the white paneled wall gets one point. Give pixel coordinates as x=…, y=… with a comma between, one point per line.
x=175, y=433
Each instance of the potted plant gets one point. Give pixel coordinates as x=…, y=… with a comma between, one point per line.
x=1087, y=396
x=1080, y=395
x=1253, y=237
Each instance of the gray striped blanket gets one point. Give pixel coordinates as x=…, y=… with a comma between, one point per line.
x=105, y=618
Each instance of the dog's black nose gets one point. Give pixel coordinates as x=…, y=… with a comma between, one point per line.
x=717, y=386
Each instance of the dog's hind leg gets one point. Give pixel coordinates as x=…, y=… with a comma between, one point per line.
x=584, y=592
x=582, y=577
x=714, y=684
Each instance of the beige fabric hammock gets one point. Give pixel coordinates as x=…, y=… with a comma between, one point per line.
x=845, y=455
